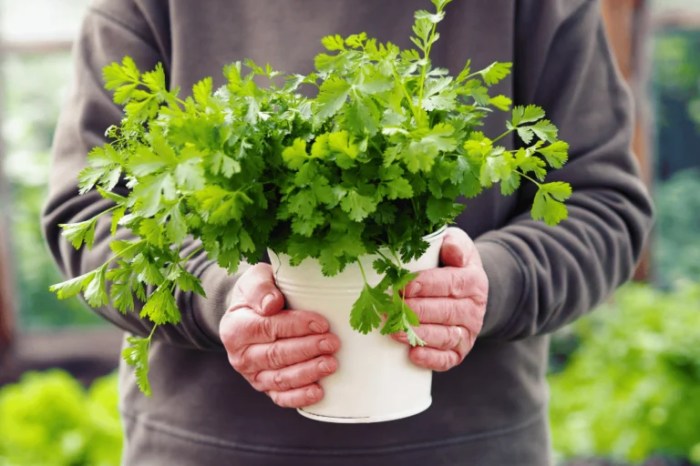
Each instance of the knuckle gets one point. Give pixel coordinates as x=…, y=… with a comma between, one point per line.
x=280, y=382
x=242, y=361
x=257, y=382
x=459, y=284
x=274, y=356
x=267, y=329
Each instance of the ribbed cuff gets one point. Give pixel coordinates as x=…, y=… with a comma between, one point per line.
x=506, y=276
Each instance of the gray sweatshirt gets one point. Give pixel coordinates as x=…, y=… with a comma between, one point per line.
x=490, y=410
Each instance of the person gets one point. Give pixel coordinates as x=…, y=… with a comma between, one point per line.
x=223, y=376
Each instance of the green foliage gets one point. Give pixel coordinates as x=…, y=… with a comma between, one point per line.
x=32, y=99
x=246, y=167
x=677, y=249
x=50, y=419
x=632, y=388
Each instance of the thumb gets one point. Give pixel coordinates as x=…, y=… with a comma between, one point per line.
x=256, y=290
x=456, y=248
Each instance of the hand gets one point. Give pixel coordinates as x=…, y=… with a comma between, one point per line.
x=280, y=352
x=450, y=302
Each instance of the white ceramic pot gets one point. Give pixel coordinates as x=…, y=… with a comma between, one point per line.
x=375, y=380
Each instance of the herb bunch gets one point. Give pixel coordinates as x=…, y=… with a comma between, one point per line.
x=370, y=165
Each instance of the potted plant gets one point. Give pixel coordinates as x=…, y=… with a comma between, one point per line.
x=354, y=178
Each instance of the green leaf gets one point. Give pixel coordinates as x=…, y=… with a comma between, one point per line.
x=202, y=91
x=116, y=75
x=501, y=102
x=496, y=72
x=366, y=312
x=295, y=155
x=549, y=202
x=136, y=356
x=152, y=192
x=333, y=43
x=117, y=216
x=333, y=93
x=74, y=286
x=358, y=206
x=79, y=233
x=545, y=130
x=528, y=114
x=155, y=79
x=556, y=153
x=442, y=210
x=161, y=307
x=96, y=291
x=219, y=206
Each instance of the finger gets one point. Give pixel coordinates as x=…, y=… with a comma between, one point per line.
x=245, y=327
x=458, y=249
x=296, y=376
x=442, y=337
x=283, y=353
x=464, y=312
x=256, y=289
x=434, y=359
x=453, y=282
x=297, y=397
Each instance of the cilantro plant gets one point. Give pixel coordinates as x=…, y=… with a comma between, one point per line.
x=370, y=165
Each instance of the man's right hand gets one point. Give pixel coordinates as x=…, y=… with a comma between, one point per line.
x=280, y=352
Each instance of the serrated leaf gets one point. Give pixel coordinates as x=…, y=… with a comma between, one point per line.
x=74, y=286
x=556, y=153
x=528, y=114
x=155, y=79
x=332, y=94
x=545, y=130
x=501, y=102
x=80, y=232
x=295, y=155
x=96, y=292
x=136, y=356
x=161, y=307
x=365, y=314
x=202, y=91
x=495, y=72
x=333, y=43
x=549, y=203
x=117, y=216
x=358, y=206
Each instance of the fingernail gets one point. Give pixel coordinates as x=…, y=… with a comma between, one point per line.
x=414, y=289
x=311, y=393
x=324, y=367
x=325, y=346
x=317, y=327
x=267, y=300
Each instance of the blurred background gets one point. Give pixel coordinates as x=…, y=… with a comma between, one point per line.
x=625, y=381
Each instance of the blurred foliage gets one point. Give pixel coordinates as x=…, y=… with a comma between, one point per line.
x=677, y=248
x=49, y=419
x=676, y=88
x=632, y=388
x=30, y=117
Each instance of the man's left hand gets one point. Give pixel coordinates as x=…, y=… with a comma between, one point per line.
x=450, y=302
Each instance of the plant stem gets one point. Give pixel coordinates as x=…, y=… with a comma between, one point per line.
x=503, y=135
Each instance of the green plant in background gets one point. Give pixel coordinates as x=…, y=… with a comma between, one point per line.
x=632, y=388
x=31, y=109
x=677, y=249
x=49, y=419
x=676, y=89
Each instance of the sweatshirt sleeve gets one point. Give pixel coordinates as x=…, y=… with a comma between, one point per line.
x=88, y=112
x=541, y=277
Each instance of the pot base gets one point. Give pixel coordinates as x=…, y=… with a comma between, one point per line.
x=365, y=419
